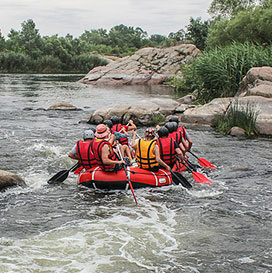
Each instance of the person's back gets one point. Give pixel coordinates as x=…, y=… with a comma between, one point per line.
x=82, y=151
x=147, y=152
x=184, y=137
x=145, y=155
x=167, y=147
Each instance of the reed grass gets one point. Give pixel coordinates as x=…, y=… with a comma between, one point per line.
x=218, y=72
x=240, y=115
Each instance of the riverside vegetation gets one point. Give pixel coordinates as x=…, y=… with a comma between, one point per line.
x=28, y=52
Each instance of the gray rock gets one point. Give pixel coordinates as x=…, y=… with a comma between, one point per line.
x=63, y=107
x=258, y=81
x=206, y=114
x=237, y=131
x=8, y=179
x=147, y=66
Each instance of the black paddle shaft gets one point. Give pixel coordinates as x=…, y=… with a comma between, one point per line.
x=61, y=175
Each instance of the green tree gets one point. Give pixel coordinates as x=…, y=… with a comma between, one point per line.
x=252, y=25
x=157, y=39
x=95, y=36
x=125, y=37
x=2, y=41
x=197, y=32
x=228, y=8
x=30, y=39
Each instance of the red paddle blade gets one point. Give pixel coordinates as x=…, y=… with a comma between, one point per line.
x=200, y=178
x=205, y=163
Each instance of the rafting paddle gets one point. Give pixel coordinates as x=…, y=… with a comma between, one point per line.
x=178, y=178
x=130, y=185
x=62, y=175
x=203, y=162
x=198, y=177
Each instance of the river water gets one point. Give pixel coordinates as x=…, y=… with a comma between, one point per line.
x=225, y=227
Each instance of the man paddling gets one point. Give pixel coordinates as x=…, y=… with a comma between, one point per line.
x=186, y=140
x=169, y=149
x=82, y=151
x=147, y=152
x=103, y=150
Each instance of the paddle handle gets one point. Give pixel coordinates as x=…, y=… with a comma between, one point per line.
x=126, y=172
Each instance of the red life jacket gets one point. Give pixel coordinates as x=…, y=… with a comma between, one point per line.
x=85, y=154
x=182, y=130
x=176, y=136
x=167, y=150
x=117, y=128
x=97, y=147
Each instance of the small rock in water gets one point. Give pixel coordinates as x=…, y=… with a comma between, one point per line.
x=237, y=131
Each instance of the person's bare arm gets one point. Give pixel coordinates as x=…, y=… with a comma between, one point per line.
x=105, y=156
x=156, y=151
x=131, y=126
x=180, y=154
x=72, y=156
x=134, y=144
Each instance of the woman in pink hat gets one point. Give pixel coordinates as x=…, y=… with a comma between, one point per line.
x=103, y=150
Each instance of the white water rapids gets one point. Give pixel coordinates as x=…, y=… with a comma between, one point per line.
x=225, y=227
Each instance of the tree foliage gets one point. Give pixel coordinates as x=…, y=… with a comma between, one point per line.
x=228, y=8
x=68, y=54
x=253, y=25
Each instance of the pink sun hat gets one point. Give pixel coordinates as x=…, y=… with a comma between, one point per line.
x=102, y=131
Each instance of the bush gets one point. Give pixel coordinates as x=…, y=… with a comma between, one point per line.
x=243, y=116
x=218, y=72
x=157, y=119
x=85, y=62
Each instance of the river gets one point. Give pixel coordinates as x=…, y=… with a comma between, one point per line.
x=225, y=227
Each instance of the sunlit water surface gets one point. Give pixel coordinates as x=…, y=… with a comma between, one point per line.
x=225, y=227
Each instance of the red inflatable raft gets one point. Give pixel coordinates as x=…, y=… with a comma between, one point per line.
x=96, y=178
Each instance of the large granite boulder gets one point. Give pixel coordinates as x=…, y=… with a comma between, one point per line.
x=206, y=114
x=257, y=82
x=8, y=179
x=146, y=66
x=142, y=112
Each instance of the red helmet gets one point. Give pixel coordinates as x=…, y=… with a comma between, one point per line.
x=150, y=132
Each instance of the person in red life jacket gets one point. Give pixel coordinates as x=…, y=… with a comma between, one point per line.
x=108, y=123
x=103, y=150
x=186, y=140
x=171, y=126
x=147, y=152
x=169, y=149
x=82, y=151
x=118, y=127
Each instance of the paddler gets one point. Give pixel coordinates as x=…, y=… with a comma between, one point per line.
x=147, y=152
x=185, y=138
x=118, y=127
x=103, y=151
x=82, y=151
x=168, y=147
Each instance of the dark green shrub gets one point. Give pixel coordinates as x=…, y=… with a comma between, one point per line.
x=85, y=62
x=243, y=116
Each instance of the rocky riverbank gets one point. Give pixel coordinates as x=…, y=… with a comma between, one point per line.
x=255, y=89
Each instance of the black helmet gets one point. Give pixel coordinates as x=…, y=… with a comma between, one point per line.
x=174, y=118
x=170, y=127
x=175, y=125
x=115, y=120
x=108, y=123
x=163, y=132
x=93, y=129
